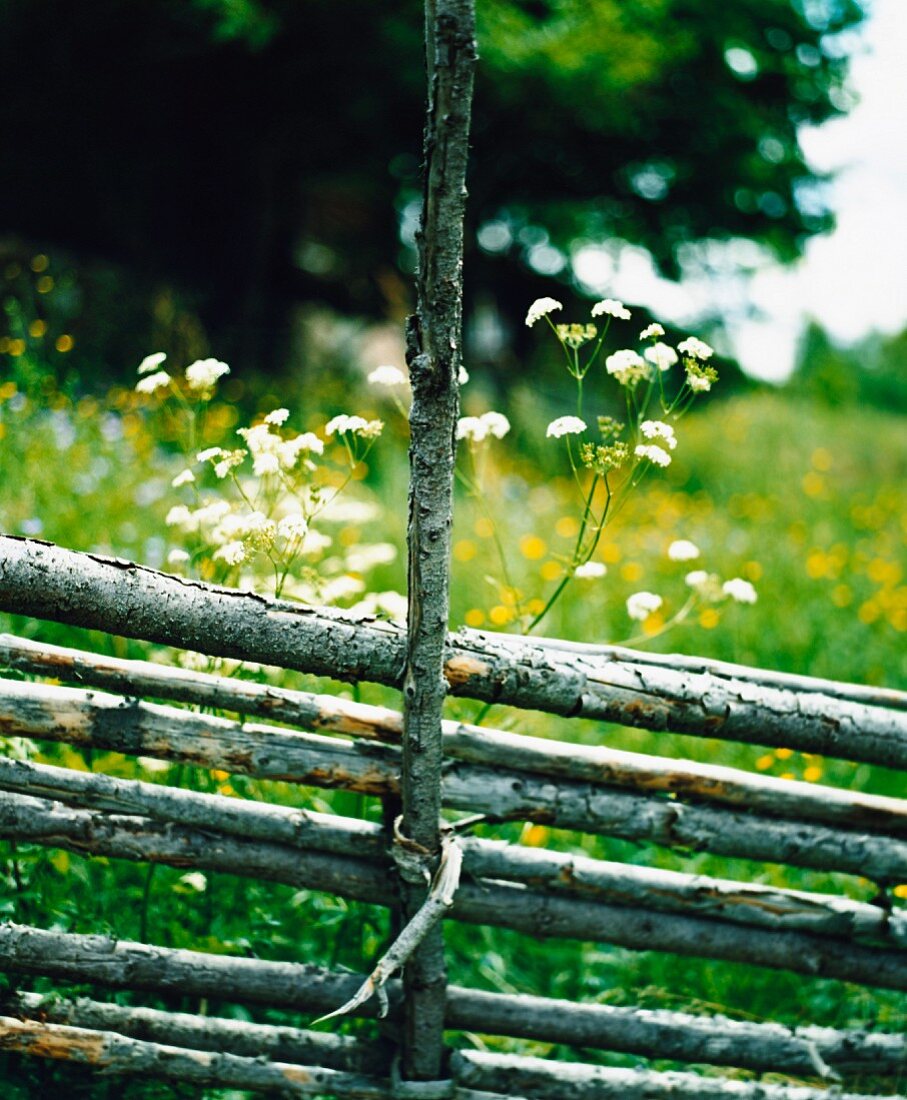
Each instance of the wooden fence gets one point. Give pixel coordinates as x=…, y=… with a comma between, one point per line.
x=495, y=776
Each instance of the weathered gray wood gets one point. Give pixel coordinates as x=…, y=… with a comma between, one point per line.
x=182, y=1029
x=531, y=911
x=434, y=342
x=655, y=1033
x=472, y=744
x=538, y=1078
x=112, y=722
x=679, y=1036
x=118, y=1055
x=45, y=581
x=668, y=891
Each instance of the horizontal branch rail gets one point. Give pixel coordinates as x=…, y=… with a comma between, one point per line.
x=102, y=721
x=472, y=744
x=117, y=1055
x=183, y=1029
x=668, y=891
x=475, y=1074
x=516, y=906
x=653, y=1033
x=45, y=581
x=538, y=1079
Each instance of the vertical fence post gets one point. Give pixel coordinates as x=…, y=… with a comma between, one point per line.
x=434, y=356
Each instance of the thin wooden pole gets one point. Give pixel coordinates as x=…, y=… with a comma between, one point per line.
x=434, y=356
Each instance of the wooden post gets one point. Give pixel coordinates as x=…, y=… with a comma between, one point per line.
x=434, y=357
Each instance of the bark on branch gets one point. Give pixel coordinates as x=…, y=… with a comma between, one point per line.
x=123, y=725
x=652, y=1033
x=471, y=744
x=47, y=582
x=535, y=912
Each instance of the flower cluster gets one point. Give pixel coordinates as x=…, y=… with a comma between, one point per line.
x=476, y=429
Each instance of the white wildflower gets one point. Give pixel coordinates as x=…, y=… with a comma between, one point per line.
x=315, y=543
x=590, y=570
x=211, y=452
x=152, y=362
x=177, y=557
x=657, y=429
x=612, y=308
x=211, y=513
x=233, y=553
x=387, y=376
x=202, y=375
x=643, y=604
x=227, y=461
x=683, y=550
x=184, y=478
x=695, y=348
x=354, y=425
x=654, y=454
x=462, y=379
x=278, y=417
x=196, y=880
x=698, y=578
x=153, y=382
x=265, y=463
x=472, y=428
x=627, y=366
x=661, y=356
x=179, y=516
x=540, y=308
x=341, y=588
x=350, y=511
x=293, y=526
x=565, y=425
x=698, y=383
x=652, y=331
x=740, y=590
x=497, y=424
x=289, y=450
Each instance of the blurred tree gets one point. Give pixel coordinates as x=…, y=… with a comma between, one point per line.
x=871, y=372
x=262, y=152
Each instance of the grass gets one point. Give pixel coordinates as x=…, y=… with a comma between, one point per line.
x=807, y=502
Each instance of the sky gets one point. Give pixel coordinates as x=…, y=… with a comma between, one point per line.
x=852, y=281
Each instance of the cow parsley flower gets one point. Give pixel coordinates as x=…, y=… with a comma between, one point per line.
x=152, y=362
x=590, y=570
x=210, y=453
x=652, y=331
x=184, y=478
x=657, y=429
x=565, y=425
x=278, y=417
x=153, y=382
x=179, y=516
x=178, y=557
x=627, y=367
x=683, y=550
x=540, y=308
x=462, y=379
x=661, y=356
x=293, y=526
x=387, y=376
x=475, y=429
x=612, y=308
x=653, y=453
x=740, y=590
x=497, y=424
x=643, y=604
x=695, y=348
x=574, y=336
x=698, y=578
x=203, y=374
x=355, y=425
x=233, y=553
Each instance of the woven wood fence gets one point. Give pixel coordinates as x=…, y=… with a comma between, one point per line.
x=427, y=867
x=326, y=741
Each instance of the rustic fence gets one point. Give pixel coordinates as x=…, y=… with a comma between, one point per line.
x=425, y=866
x=499, y=776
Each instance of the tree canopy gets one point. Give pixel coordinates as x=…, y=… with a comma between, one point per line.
x=260, y=152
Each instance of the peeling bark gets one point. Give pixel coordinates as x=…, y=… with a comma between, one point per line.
x=471, y=744
x=533, y=1078
x=117, y=1055
x=535, y=912
x=47, y=582
x=624, y=884
x=655, y=1033
x=98, y=720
